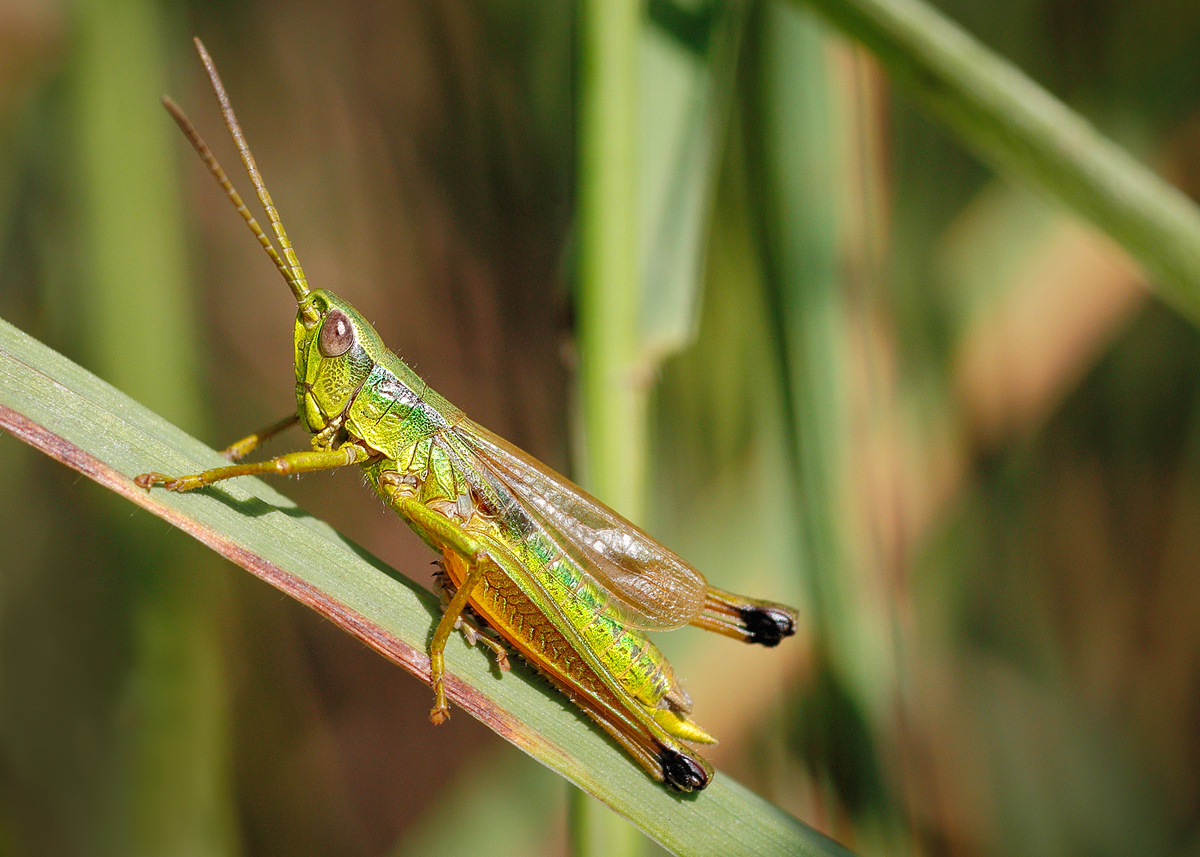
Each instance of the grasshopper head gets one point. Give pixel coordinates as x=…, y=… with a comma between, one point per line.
x=336, y=348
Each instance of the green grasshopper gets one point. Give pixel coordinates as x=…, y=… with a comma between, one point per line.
x=561, y=578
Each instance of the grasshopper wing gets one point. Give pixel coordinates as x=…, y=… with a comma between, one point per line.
x=652, y=587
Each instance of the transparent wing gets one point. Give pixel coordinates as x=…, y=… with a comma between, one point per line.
x=652, y=587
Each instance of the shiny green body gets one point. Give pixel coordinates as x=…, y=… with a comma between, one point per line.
x=536, y=597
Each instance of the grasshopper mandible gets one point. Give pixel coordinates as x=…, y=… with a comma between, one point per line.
x=561, y=578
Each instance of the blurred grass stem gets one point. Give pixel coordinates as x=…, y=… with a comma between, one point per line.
x=612, y=399
x=1023, y=130
x=137, y=327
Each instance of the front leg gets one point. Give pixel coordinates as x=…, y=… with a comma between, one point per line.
x=240, y=449
x=305, y=461
x=460, y=547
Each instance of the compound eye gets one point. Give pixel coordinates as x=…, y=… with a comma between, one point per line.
x=337, y=334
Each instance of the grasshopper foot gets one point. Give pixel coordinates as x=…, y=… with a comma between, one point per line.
x=440, y=712
x=149, y=480
x=171, y=483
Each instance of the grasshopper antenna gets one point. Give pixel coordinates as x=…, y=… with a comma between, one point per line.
x=296, y=277
x=290, y=269
x=297, y=281
x=214, y=167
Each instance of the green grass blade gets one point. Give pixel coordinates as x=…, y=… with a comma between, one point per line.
x=1026, y=132
x=612, y=400
x=167, y=787
x=689, y=62
x=79, y=420
x=612, y=397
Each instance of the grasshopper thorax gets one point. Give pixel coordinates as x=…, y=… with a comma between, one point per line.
x=336, y=349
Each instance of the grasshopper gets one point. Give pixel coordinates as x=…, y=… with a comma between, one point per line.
x=562, y=579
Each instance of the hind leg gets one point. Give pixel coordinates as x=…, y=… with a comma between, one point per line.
x=746, y=619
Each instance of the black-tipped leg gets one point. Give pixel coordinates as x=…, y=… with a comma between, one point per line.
x=683, y=773
x=767, y=625
x=746, y=619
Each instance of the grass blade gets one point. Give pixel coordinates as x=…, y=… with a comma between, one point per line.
x=1022, y=129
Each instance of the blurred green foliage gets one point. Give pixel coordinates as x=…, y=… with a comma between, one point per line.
x=920, y=401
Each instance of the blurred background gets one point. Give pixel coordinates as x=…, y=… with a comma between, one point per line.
x=872, y=378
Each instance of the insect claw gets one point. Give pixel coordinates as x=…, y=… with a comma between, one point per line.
x=439, y=714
